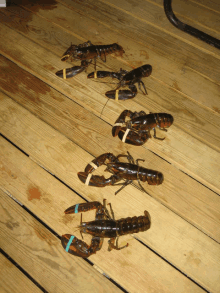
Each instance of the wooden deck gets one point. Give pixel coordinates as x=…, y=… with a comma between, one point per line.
x=52, y=128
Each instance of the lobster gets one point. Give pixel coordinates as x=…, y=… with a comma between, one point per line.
x=86, y=52
x=121, y=171
x=125, y=79
x=136, y=130
x=104, y=226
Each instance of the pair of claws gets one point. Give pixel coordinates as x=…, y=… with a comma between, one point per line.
x=124, y=77
x=134, y=127
x=104, y=226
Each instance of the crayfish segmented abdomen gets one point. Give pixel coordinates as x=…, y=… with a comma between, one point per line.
x=134, y=224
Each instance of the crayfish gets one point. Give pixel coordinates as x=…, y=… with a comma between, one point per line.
x=121, y=171
x=125, y=79
x=137, y=129
x=104, y=226
x=86, y=52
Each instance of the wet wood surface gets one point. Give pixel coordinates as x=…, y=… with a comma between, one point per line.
x=52, y=128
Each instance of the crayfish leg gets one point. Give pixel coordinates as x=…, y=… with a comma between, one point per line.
x=156, y=136
x=139, y=85
x=113, y=246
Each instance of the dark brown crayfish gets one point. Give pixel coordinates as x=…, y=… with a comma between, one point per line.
x=86, y=52
x=136, y=130
x=121, y=171
x=125, y=79
x=104, y=226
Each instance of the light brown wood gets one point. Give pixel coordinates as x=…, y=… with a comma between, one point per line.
x=168, y=228
x=211, y=5
x=135, y=268
x=40, y=253
x=174, y=194
x=181, y=149
x=187, y=73
x=198, y=16
x=61, y=125
x=13, y=280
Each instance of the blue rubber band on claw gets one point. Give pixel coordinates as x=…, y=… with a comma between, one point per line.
x=69, y=243
x=76, y=208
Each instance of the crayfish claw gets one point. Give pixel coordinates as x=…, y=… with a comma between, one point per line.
x=70, y=72
x=93, y=180
x=120, y=122
x=77, y=247
x=99, y=74
x=83, y=207
x=131, y=137
x=120, y=94
x=99, y=161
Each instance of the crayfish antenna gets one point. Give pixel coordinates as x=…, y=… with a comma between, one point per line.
x=81, y=226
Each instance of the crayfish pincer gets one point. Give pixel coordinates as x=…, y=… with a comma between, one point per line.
x=126, y=78
x=136, y=129
x=104, y=226
x=128, y=172
x=85, y=53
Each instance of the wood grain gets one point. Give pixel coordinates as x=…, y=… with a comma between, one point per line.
x=85, y=130
x=183, y=245
x=61, y=125
x=40, y=253
x=178, y=149
x=180, y=62
x=13, y=280
x=136, y=268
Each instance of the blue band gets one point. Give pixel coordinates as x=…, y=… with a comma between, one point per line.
x=76, y=208
x=69, y=243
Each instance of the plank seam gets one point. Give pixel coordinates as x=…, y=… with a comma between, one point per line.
x=133, y=184
x=23, y=271
x=172, y=265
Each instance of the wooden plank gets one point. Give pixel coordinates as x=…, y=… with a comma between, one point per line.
x=195, y=15
x=136, y=268
x=182, y=243
x=182, y=66
x=193, y=118
x=80, y=127
x=185, y=152
x=13, y=280
x=213, y=4
x=156, y=16
x=40, y=253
